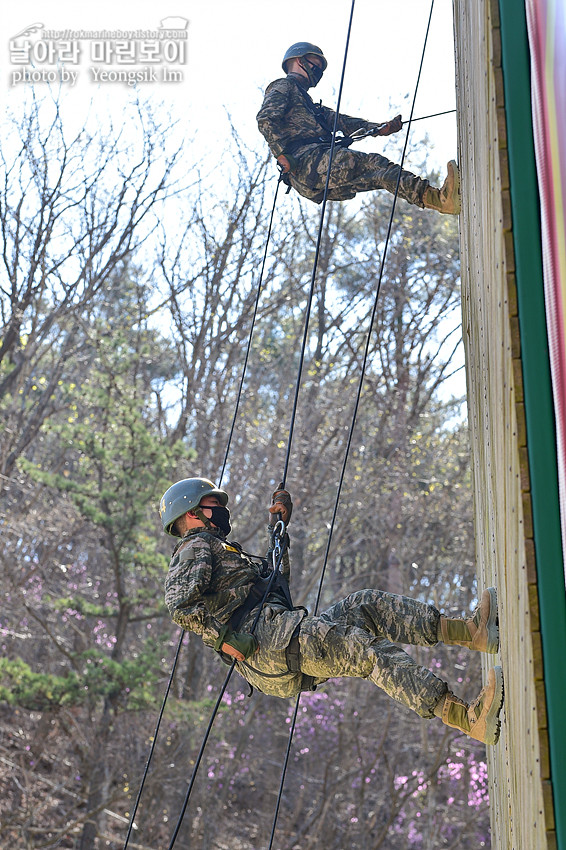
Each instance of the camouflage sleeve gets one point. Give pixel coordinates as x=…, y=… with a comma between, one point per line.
x=285, y=563
x=346, y=124
x=272, y=117
x=188, y=579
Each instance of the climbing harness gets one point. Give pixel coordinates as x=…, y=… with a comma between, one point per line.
x=270, y=583
x=342, y=140
x=275, y=588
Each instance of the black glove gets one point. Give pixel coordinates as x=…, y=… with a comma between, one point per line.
x=281, y=504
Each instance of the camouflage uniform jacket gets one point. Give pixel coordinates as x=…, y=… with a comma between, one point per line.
x=294, y=126
x=208, y=580
x=289, y=125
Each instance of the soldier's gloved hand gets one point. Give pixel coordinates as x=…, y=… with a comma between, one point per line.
x=389, y=127
x=286, y=163
x=240, y=645
x=281, y=504
x=374, y=129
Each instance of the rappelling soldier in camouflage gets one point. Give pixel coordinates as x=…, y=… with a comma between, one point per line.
x=299, y=133
x=217, y=590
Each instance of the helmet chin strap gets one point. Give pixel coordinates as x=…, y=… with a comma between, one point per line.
x=198, y=512
x=313, y=72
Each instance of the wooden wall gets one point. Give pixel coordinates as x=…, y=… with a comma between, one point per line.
x=521, y=806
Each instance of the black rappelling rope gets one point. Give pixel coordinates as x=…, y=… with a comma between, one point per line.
x=297, y=387
x=174, y=667
x=200, y=755
x=154, y=740
x=434, y=115
x=317, y=251
x=246, y=358
x=359, y=391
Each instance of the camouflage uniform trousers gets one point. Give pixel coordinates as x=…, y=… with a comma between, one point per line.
x=352, y=172
x=357, y=636
x=354, y=638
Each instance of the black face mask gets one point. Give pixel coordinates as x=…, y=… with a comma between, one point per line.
x=313, y=72
x=221, y=518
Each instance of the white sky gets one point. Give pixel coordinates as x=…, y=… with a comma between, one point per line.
x=235, y=48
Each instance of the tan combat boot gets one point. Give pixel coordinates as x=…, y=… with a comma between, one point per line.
x=480, y=631
x=447, y=199
x=480, y=719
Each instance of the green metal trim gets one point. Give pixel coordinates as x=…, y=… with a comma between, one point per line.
x=538, y=390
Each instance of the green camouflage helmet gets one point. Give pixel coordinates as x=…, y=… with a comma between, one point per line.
x=184, y=496
x=300, y=49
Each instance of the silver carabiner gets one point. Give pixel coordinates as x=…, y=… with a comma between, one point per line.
x=276, y=537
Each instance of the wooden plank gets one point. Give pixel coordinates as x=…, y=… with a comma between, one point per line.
x=551, y=841
x=544, y=754
x=548, y=804
x=521, y=808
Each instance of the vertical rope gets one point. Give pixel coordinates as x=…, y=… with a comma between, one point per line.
x=180, y=643
x=248, y=349
x=200, y=755
x=154, y=741
x=354, y=415
x=317, y=251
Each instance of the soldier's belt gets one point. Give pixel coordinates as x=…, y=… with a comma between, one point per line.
x=324, y=141
x=293, y=146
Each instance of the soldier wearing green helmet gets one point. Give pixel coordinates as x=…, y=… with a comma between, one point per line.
x=185, y=496
x=218, y=591
x=299, y=134
x=304, y=51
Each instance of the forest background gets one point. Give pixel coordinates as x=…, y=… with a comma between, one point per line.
x=130, y=270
